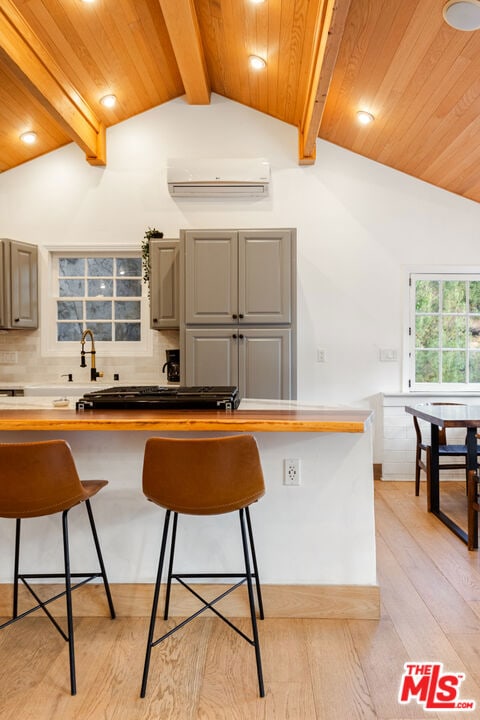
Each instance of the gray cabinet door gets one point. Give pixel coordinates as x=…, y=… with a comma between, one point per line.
x=264, y=363
x=256, y=360
x=211, y=277
x=264, y=276
x=3, y=287
x=211, y=356
x=24, y=285
x=164, y=284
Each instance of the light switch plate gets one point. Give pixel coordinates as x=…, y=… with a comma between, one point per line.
x=388, y=355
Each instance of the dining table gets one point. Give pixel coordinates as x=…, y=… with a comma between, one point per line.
x=453, y=416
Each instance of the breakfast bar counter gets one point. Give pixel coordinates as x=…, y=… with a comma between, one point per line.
x=249, y=420
x=315, y=540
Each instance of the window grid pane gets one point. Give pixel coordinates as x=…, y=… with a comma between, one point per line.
x=88, y=288
x=446, y=330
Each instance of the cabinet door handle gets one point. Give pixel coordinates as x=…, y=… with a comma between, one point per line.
x=241, y=337
x=234, y=316
x=155, y=320
x=241, y=316
x=17, y=319
x=234, y=336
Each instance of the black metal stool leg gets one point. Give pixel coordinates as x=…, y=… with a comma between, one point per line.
x=170, y=565
x=255, y=566
x=68, y=597
x=15, y=569
x=155, y=604
x=100, y=559
x=251, y=603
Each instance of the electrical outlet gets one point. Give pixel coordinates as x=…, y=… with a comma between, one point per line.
x=8, y=358
x=291, y=471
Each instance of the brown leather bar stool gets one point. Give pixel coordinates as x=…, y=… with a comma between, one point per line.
x=36, y=479
x=205, y=477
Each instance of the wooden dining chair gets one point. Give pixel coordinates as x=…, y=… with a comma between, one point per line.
x=423, y=452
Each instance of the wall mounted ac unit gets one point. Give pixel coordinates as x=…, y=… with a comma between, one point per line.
x=218, y=177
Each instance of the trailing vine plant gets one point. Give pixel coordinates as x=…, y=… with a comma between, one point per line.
x=149, y=233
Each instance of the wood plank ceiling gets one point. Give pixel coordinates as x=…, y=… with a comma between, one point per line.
x=325, y=60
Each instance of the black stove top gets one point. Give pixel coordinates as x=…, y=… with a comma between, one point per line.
x=158, y=397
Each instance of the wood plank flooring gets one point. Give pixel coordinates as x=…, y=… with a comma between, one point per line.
x=314, y=669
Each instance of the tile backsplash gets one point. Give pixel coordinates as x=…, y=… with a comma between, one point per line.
x=21, y=361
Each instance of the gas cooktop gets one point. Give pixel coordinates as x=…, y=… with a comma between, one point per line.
x=158, y=397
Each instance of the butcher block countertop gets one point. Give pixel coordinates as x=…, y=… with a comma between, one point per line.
x=252, y=416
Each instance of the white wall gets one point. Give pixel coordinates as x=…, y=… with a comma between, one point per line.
x=359, y=223
x=322, y=532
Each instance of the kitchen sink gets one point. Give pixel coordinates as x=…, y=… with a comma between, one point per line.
x=64, y=389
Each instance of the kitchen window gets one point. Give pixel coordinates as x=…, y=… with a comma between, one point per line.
x=100, y=291
x=444, y=332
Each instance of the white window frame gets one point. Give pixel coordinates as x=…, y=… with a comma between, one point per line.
x=463, y=273
x=50, y=346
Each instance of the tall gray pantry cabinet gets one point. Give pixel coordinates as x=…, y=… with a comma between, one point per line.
x=238, y=294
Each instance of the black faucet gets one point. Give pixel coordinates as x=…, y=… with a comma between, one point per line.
x=93, y=372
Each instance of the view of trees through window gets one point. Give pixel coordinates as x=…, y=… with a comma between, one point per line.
x=446, y=329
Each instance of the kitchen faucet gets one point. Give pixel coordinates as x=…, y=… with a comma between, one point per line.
x=93, y=372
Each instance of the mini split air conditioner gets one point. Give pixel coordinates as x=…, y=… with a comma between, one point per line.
x=218, y=178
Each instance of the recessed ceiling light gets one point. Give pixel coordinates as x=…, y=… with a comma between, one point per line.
x=462, y=14
x=88, y=1
x=256, y=62
x=29, y=137
x=364, y=117
x=108, y=100
x=257, y=2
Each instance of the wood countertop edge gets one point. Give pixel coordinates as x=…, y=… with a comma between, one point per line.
x=51, y=420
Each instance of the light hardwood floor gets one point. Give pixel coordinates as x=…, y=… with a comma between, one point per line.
x=314, y=669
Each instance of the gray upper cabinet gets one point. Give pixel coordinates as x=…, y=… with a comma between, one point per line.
x=164, y=284
x=19, y=291
x=3, y=301
x=242, y=276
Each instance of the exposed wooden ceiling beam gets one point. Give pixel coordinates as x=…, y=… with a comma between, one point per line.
x=330, y=24
x=182, y=25
x=30, y=62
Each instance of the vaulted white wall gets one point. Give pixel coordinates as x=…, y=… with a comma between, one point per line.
x=359, y=225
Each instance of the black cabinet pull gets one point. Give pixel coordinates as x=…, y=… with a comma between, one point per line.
x=241, y=316
x=155, y=320
x=17, y=319
x=234, y=316
x=241, y=337
x=234, y=336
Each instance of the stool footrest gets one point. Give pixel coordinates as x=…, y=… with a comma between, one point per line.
x=211, y=575
x=207, y=605
x=42, y=603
